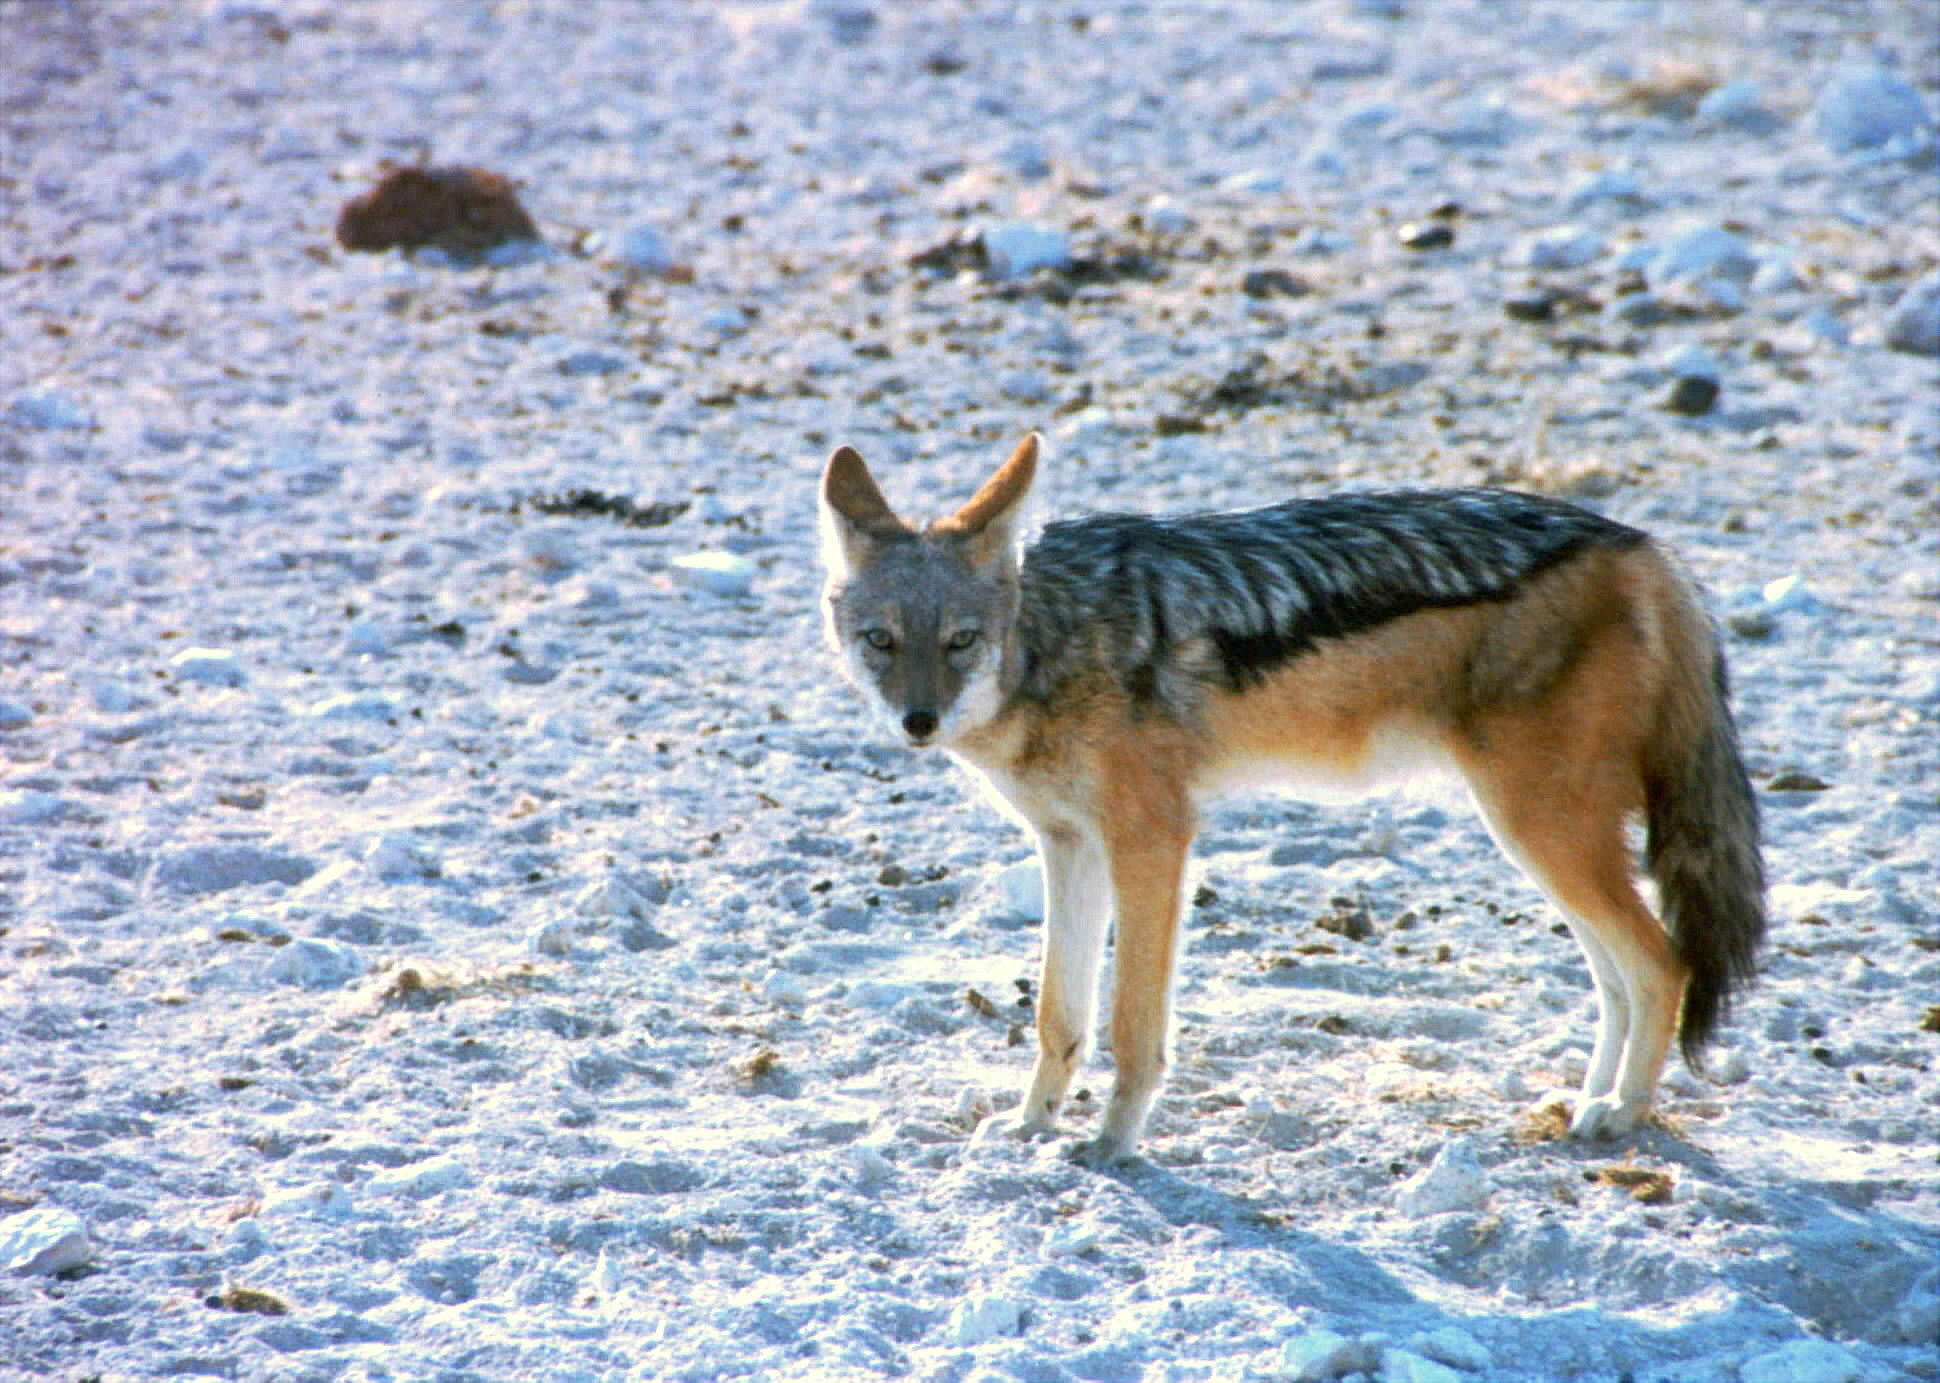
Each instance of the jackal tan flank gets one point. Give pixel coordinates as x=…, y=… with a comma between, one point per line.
x=1124, y=668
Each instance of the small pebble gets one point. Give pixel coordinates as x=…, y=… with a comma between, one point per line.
x=396, y=856
x=582, y=364
x=1455, y=1180
x=366, y=638
x=50, y=409
x=1691, y=395
x=1013, y=249
x=13, y=715
x=1163, y=217
x=1691, y=361
x=212, y=667
x=314, y=962
x=1430, y=235
x=718, y=573
x=981, y=1319
x=1735, y=105
x=1701, y=252
x=355, y=706
x=1560, y=247
x=642, y=249
x=1803, y=1361
x=1913, y=325
x=27, y=807
x=1273, y=283
x=1606, y=186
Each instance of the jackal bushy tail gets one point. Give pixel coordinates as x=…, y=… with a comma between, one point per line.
x=1701, y=848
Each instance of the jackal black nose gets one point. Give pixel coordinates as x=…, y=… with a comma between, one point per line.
x=920, y=725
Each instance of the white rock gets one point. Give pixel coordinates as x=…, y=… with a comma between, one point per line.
x=1453, y=1181
x=1606, y=185
x=212, y=667
x=396, y=855
x=1788, y=594
x=426, y=1178
x=1691, y=361
x=1701, y=252
x=1802, y=1361
x=1402, y=1366
x=1258, y=182
x=594, y=595
x=245, y=1240
x=553, y=937
x=871, y=1167
x=1070, y=1239
x=982, y=1319
x=878, y=996
x=1318, y=1355
x=329, y=1200
x=1730, y=1067
x=366, y=637
x=642, y=249
x=1863, y=108
x=1913, y=325
x=50, y=409
x=973, y=1105
x=785, y=990
x=316, y=962
x=186, y=164
x=1015, y=248
x=1164, y=217
x=43, y=1240
x=553, y=548
x=27, y=807
x=13, y=715
x=1561, y=247
x=1025, y=386
x=605, y=1277
x=1453, y=1346
x=1021, y=886
x=355, y=706
x=727, y=320
x=1722, y=295
x=1737, y=105
x=718, y=573
x=1918, y=1318
x=613, y=896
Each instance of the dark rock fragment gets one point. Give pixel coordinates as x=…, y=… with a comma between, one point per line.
x=462, y=211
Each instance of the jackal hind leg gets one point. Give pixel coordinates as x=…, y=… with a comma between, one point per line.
x=1077, y=906
x=1571, y=842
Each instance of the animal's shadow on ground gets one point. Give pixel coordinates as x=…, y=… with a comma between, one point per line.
x=1581, y=1306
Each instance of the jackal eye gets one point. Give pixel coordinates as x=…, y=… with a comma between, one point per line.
x=961, y=640
x=879, y=639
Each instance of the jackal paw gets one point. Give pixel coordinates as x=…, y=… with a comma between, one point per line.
x=1012, y=1125
x=1607, y=1116
x=1101, y=1152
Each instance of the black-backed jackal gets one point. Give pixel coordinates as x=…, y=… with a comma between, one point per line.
x=1125, y=667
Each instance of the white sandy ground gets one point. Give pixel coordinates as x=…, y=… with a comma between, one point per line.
x=509, y=957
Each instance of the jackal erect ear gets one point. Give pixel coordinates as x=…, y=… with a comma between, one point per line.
x=988, y=522
x=854, y=513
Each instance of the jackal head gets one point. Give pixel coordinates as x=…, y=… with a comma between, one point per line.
x=923, y=618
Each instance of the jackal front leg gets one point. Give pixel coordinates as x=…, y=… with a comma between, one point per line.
x=1077, y=904
x=1148, y=864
